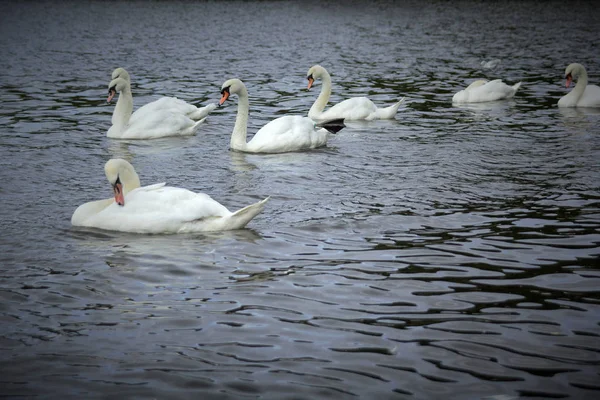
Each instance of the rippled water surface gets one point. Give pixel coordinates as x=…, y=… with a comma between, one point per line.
x=449, y=253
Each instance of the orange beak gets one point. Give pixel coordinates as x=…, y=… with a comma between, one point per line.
x=310, y=81
x=111, y=93
x=119, y=197
x=224, y=97
x=569, y=80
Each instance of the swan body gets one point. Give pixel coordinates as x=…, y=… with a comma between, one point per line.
x=167, y=116
x=356, y=108
x=583, y=95
x=157, y=208
x=284, y=134
x=483, y=90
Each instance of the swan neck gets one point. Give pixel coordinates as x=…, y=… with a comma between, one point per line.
x=131, y=181
x=123, y=109
x=581, y=84
x=319, y=104
x=238, y=137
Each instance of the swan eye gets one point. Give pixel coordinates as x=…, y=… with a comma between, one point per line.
x=310, y=78
x=225, y=90
x=112, y=89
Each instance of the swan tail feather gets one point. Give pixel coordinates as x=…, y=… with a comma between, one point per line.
x=389, y=112
x=203, y=112
x=333, y=125
x=241, y=217
x=197, y=125
x=516, y=86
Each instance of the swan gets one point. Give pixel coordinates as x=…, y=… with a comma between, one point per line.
x=167, y=116
x=483, y=90
x=583, y=95
x=355, y=108
x=157, y=208
x=284, y=134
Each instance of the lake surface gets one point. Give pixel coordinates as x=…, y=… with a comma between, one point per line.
x=452, y=252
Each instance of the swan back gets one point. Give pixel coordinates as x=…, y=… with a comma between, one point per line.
x=483, y=91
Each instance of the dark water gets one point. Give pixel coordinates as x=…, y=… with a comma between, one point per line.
x=449, y=253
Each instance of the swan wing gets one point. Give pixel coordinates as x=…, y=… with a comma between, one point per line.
x=157, y=209
x=289, y=133
x=590, y=97
x=164, y=104
x=481, y=91
x=355, y=108
x=159, y=124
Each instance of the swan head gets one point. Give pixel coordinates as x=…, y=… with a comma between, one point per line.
x=122, y=177
x=120, y=73
x=573, y=71
x=116, y=86
x=232, y=86
x=315, y=72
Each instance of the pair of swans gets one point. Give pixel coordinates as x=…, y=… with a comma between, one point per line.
x=296, y=133
x=583, y=95
x=167, y=116
x=157, y=208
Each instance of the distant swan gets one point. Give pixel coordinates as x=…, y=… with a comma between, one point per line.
x=167, y=116
x=583, y=95
x=157, y=208
x=284, y=134
x=483, y=90
x=355, y=108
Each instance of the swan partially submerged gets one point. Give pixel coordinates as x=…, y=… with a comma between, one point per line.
x=483, y=90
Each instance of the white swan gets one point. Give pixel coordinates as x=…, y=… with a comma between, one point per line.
x=157, y=208
x=583, y=95
x=355, y=108
x=284, y=134
x=483, y=90
x=167, y=116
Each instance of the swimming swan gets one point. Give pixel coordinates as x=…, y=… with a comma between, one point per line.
x=355, y=108
x=157, y=208
x=167, y=116
x=483, y=90
x=284, y=134
x=583, y=95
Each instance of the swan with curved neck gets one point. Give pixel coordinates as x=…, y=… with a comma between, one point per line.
x=157, y=208
x=583, y=94
x=355, y=108
x=482, y=91
x=284, y=134
x=167, y=116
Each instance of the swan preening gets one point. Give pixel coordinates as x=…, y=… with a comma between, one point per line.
x=583, y=95
x=284, y=134
x=167, y=116
x=157, y=208
x=356, y=108
x=483, y=90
